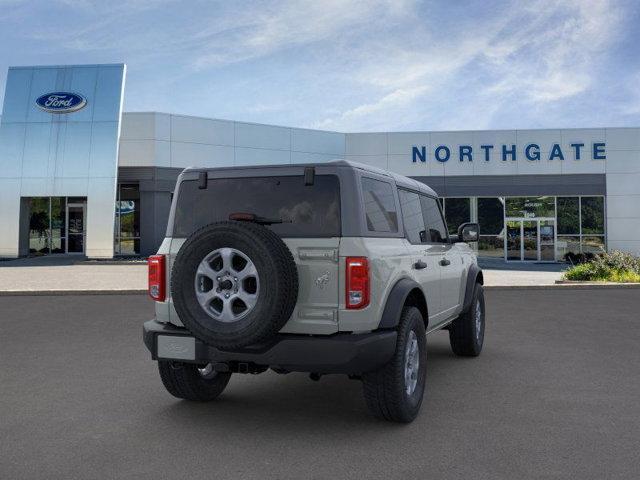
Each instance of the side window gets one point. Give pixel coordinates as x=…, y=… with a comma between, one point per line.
x=436, y=231
x=379, y=206
x=412, y=216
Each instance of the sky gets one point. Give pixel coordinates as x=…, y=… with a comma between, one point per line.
x=351, y=66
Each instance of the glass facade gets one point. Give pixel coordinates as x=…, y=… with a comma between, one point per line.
x=541, y=228
x=457, y=211
x=56, y=225
x=127, y=227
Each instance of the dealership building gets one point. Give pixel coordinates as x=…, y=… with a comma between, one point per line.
x=80, y=176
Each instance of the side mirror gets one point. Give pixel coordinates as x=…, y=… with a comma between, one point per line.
x=469, y=232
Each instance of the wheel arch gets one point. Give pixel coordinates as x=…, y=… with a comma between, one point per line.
x=404, y=292
x=473, y=276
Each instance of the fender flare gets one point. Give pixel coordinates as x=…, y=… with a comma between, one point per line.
x=395, y=302
x=473, y=276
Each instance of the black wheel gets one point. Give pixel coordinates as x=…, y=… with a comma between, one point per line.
x=234, y=284
x=395, y=392
x=192, y=382
x=466, y=333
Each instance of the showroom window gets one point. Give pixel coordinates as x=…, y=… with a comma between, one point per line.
x=127, y=227
x=530, y=207
x=56, y=225
x=456, y=212
x=580, y=225
x=491, y=221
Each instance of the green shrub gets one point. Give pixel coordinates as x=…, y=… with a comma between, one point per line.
x=615, y=266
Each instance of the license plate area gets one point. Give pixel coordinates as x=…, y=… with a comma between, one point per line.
x=176, y=347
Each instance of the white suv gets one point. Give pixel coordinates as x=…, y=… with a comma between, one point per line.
x=327, y=268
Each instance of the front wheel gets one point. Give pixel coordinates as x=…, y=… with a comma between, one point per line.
x=466, y=333
x=395, y=392
x=192, y=382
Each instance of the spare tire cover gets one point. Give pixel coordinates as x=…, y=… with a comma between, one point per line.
x=234, y=284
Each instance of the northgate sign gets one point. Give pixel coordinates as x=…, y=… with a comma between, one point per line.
x=531, y=152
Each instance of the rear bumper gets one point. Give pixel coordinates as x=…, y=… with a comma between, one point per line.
x=340, y=353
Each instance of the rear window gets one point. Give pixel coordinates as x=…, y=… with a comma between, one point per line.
x=306, y=211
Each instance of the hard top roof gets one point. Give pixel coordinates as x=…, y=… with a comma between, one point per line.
x=400, y=180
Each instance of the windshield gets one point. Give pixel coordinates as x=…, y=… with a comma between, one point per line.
x=305, y=211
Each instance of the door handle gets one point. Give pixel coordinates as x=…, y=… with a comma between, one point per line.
x=444, y=262
x=419, y=265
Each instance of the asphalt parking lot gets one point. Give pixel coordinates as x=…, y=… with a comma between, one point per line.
x=554, y=395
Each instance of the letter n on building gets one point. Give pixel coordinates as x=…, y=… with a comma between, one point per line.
x=419, y=154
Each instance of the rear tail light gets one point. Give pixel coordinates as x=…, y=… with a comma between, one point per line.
x=357, y=282
x=157, y=282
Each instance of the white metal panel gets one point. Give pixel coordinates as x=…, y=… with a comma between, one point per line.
x=623, y=161
x=201, y=130
x=623, y=206
x=305, y=157
x=623, y=183
x=623, y=138
x=200, y=155
x=261, y=156
x=315, y=141
x=379, y=161
x=366, y=144
x=262, y=136
x=138, y=126
x=400, y=143
x=141, y=153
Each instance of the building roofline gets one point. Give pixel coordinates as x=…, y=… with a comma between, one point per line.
x=377, y=132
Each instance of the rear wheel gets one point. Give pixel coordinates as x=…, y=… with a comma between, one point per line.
x=466, y=333
x=199, y=383
x=395, y=392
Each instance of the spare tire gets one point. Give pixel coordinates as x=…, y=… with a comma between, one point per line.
x=234, y=284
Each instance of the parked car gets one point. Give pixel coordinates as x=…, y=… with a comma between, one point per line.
x=326, y=268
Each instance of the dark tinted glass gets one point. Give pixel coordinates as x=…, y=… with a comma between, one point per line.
x=412, y=216
x=592, y=215
x=379, y=206
x=568, y=216
x=436, y=231
x=490, y=216
x=457, y=211
x=58, y=216
x=128, y=211
x=306, y=211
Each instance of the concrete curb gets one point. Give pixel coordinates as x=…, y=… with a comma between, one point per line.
x=19, y=293
x=565, y=286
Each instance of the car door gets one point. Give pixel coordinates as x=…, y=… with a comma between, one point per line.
x=436, y=243
x=425, y=257
x=451, y=262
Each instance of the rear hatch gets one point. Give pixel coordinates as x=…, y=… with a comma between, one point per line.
x=306, y=215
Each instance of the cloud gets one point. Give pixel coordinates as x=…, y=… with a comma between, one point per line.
x=534, y=55
x=343, y=64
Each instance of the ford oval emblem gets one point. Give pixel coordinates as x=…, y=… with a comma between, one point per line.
x=61, y=102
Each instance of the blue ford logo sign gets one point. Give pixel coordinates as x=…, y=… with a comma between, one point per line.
x=61, y=102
